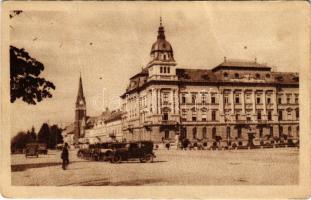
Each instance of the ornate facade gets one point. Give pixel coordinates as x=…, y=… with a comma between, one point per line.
x=231, y=101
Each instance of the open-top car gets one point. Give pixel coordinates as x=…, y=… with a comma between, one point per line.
x=32, y=150
x=142, y=150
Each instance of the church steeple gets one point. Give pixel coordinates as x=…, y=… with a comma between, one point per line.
x=80, y=114
x=80, y=96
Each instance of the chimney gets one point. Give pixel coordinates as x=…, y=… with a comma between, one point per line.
x=225, y=59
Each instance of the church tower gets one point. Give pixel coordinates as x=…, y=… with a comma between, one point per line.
x=162, y=63
x=80, y=115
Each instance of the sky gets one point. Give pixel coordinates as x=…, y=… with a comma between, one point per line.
x=111, y=42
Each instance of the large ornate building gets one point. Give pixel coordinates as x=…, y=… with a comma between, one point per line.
x=231, y=101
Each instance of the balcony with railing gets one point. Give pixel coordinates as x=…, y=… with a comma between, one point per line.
x=168, y=122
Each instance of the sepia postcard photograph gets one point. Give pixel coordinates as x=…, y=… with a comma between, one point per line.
x=155, y=99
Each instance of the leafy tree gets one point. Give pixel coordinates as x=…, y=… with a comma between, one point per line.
x=19, y=141
x=25, y=81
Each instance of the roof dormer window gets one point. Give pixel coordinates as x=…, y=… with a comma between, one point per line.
x=279, y=78
x=296, y=78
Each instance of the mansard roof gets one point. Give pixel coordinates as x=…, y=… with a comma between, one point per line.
x=114, y=116
x=196, y=75
x=143, y=72
x=216, y=76
x=236, y=64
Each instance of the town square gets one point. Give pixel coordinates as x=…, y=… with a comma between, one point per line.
x=208, y=97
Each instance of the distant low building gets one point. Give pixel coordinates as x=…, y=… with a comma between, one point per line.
x=114, y=126
x=104, y=128
x=68, y=134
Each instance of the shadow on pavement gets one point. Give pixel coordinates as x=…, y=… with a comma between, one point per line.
x=23, y=167
x=105, y=182
x=135, y=162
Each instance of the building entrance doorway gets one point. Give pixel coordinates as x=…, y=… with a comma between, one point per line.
x=183, y=133
x=239, y=132
x=165, y=116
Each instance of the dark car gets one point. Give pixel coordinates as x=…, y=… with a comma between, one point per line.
x=42, y=148
x=100, y=151
x=142, y=150
x=32, y=150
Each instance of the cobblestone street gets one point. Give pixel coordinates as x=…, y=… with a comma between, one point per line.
x=173, y=167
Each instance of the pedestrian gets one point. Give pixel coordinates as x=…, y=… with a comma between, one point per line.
x=168, y=145
x=65, y=156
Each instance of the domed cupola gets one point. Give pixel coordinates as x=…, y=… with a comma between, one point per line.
x=162, y=65
x=161, y=50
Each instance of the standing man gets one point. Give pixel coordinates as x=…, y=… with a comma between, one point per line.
x=65, y=156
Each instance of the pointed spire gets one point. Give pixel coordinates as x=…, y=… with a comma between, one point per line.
x=80, y=90
x=161, y=34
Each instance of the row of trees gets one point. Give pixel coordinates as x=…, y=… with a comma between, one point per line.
x=50, y=135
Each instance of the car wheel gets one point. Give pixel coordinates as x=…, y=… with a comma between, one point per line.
x=146, y=158
x=116, y=159
x=97, y=158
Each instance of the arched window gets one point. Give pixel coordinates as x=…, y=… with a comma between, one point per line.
x=271, y=131
x=164, y=57
x=228, y=132
x=289, y=131
x=225, y=74
x=167, y=134
x=214, y=132
x=267, y=75
x=213, y=115
x=204, y=131
x=257, y=76
x=236, y=75
x=194, y=133
x=281, y=131
x=260, y=132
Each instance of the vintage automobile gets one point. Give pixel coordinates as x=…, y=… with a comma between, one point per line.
x=99, y=151
x=142, y=150
x=32, y=150
x=42, y=148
